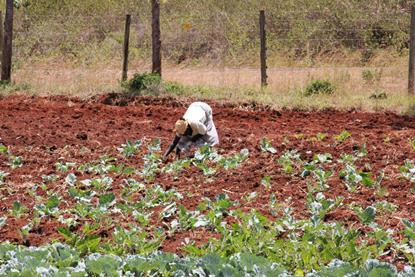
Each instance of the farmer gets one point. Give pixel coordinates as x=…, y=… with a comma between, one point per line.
x=195, y=128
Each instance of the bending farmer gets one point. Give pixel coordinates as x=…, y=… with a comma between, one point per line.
x=195, y=128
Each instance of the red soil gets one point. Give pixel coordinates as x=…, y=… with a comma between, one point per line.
x=44, y=129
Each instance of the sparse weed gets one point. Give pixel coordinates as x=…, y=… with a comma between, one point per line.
x=371, y=76
x=321, y=136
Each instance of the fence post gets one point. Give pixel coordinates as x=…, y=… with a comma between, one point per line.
x=156, y=41
x=126, y=46
x=263, y=48
x=6, y=64
x=1, y=31
x=411, y=71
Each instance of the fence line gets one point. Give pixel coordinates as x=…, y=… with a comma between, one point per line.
x=267, y=26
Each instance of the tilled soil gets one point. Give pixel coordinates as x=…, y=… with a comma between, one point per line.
x=43, y=130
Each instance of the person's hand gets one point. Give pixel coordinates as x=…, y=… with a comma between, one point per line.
x=164, y=159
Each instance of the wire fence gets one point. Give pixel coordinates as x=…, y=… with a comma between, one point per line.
x=301, y=46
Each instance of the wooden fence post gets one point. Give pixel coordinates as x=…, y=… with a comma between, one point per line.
x=263, y=48
x=1, y=32
x=6, y=65
x=156, y=39
x=126, y=46
x=411, y=71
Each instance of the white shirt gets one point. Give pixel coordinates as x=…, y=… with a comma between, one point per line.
x=199, y=116
x=196, y=115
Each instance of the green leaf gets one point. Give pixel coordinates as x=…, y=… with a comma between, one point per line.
x=213, y=264
x=64, y=167
x=65, y=233
x=18, y=209
x=53, y=202
x=266, y=182
x=3, y=149
x=15, y=161
x=129, y=149
x=339, y=268
x=71, y=179
x=367, y=179
x=375, y=268
x=3, y=175
x=321, y=136
x=363, y=152
x=409, y=229
x=108, y=265
x=343, y=136
x=266, y=146
x=106, y=199
x=323, y=158
x=129, y=170
x=368, y=215
x=155, y=145
x=88, y=244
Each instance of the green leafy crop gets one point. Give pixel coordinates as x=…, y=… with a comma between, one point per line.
x=266, y=146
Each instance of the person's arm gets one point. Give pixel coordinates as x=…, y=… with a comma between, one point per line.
x=171, y=147
x=198, y=128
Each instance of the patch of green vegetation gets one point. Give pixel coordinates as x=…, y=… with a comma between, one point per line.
x=112, y=229
x=7, y=87
x=140, y=82
x=319, y=87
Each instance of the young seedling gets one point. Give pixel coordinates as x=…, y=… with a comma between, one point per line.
x=15, y=161
x=129, y=149
x=3, y=175
x=18, y=209
x=343, y=136
x=366, y=216
x=3, y=149
x=70, y=179
x=299, y=136
x=64, y=167
x=266, y=182
x=50, y=178
x=385, y=207
x=266, y=146
x=321, y=136
x=289, y=161
x=320, y=206
x=412, y=143
x=408, y=171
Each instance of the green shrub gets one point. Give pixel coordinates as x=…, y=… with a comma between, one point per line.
x=145, y=81
x=371, y=76
x=319, y=87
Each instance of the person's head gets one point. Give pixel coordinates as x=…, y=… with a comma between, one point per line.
x=182, y=127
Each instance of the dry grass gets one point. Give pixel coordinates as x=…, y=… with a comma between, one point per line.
x=235, y=84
